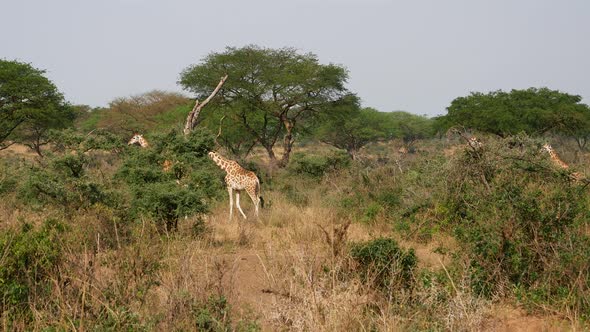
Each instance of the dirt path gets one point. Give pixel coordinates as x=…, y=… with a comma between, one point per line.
x=251, y=297
x=249, y=284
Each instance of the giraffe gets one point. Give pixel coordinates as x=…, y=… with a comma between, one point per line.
x=238, y=179
x=576, y=176
x=139, y=139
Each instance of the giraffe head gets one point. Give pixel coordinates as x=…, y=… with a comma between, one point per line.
x=216, y=157
x=213, y=155
x=138, y=139
x=474, y=143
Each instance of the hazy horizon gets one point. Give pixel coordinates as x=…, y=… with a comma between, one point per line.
x=414, y=57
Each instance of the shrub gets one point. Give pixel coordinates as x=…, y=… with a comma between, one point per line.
x=167, y=201
x=317, y=166
x=294, y=195
x=215, y=315
x=8, y=177
x=185, y=190
x=69, y=139
x=385, y=264
x=30, y=257
x=64, y=183
x=520, y=221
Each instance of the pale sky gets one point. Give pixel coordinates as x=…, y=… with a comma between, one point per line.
x=415, y=56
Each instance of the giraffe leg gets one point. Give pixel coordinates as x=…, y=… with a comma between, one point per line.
x=238, y=203
x=255, y=200
x=231, y=203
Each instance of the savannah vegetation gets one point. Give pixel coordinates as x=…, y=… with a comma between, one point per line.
x=373, y=220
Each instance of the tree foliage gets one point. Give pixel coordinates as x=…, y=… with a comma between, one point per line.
x=533, y=111
x=409, y=127
x=30, y=105
x=144, y=112
x=29, y=258
x=349, y=127
x=183, y=190
x=270, y=93
x=521, y=221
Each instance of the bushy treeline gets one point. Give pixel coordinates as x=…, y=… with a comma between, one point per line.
x=523, y=222
x=92, y=194
x=520, y=222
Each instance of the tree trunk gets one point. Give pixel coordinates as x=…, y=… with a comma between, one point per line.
x=37, y=148
x=287, y=142
x=581, y=143
x=272, y=158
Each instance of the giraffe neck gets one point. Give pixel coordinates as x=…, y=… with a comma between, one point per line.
x=143, y=143
x=556, y=159
x=222, y=162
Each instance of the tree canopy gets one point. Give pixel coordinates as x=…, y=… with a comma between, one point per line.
x=533, y=111
x=409, y=127
x=30, y=104
x=148, y=111
x=349, y=127
x=270, y=93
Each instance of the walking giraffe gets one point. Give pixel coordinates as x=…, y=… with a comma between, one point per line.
x=238, y=179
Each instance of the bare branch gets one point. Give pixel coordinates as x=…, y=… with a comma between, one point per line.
x=6, y=146
x=191, y=119
x=219, y=132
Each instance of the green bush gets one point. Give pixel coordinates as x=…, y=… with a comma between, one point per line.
x=214, y=315
x=318, y=166
x=9, y=176
x=185, y=190
x=167, y=202
x=521, y=222
x=69, y=139
x=64, y=182
x=294, y=195
x=383, y=263
x=29, y=259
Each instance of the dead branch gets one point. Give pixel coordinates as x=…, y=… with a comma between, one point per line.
x=7, y=145
x=219, y=132
x=191, y=119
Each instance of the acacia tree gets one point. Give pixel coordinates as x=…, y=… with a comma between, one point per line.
x=143, y=112
x=34, y=132
x=533, y=111
x=574, y=121
x=409, y=127
x=30, y=104
x=349, y=127
x=229, y=134
x=269, y=93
